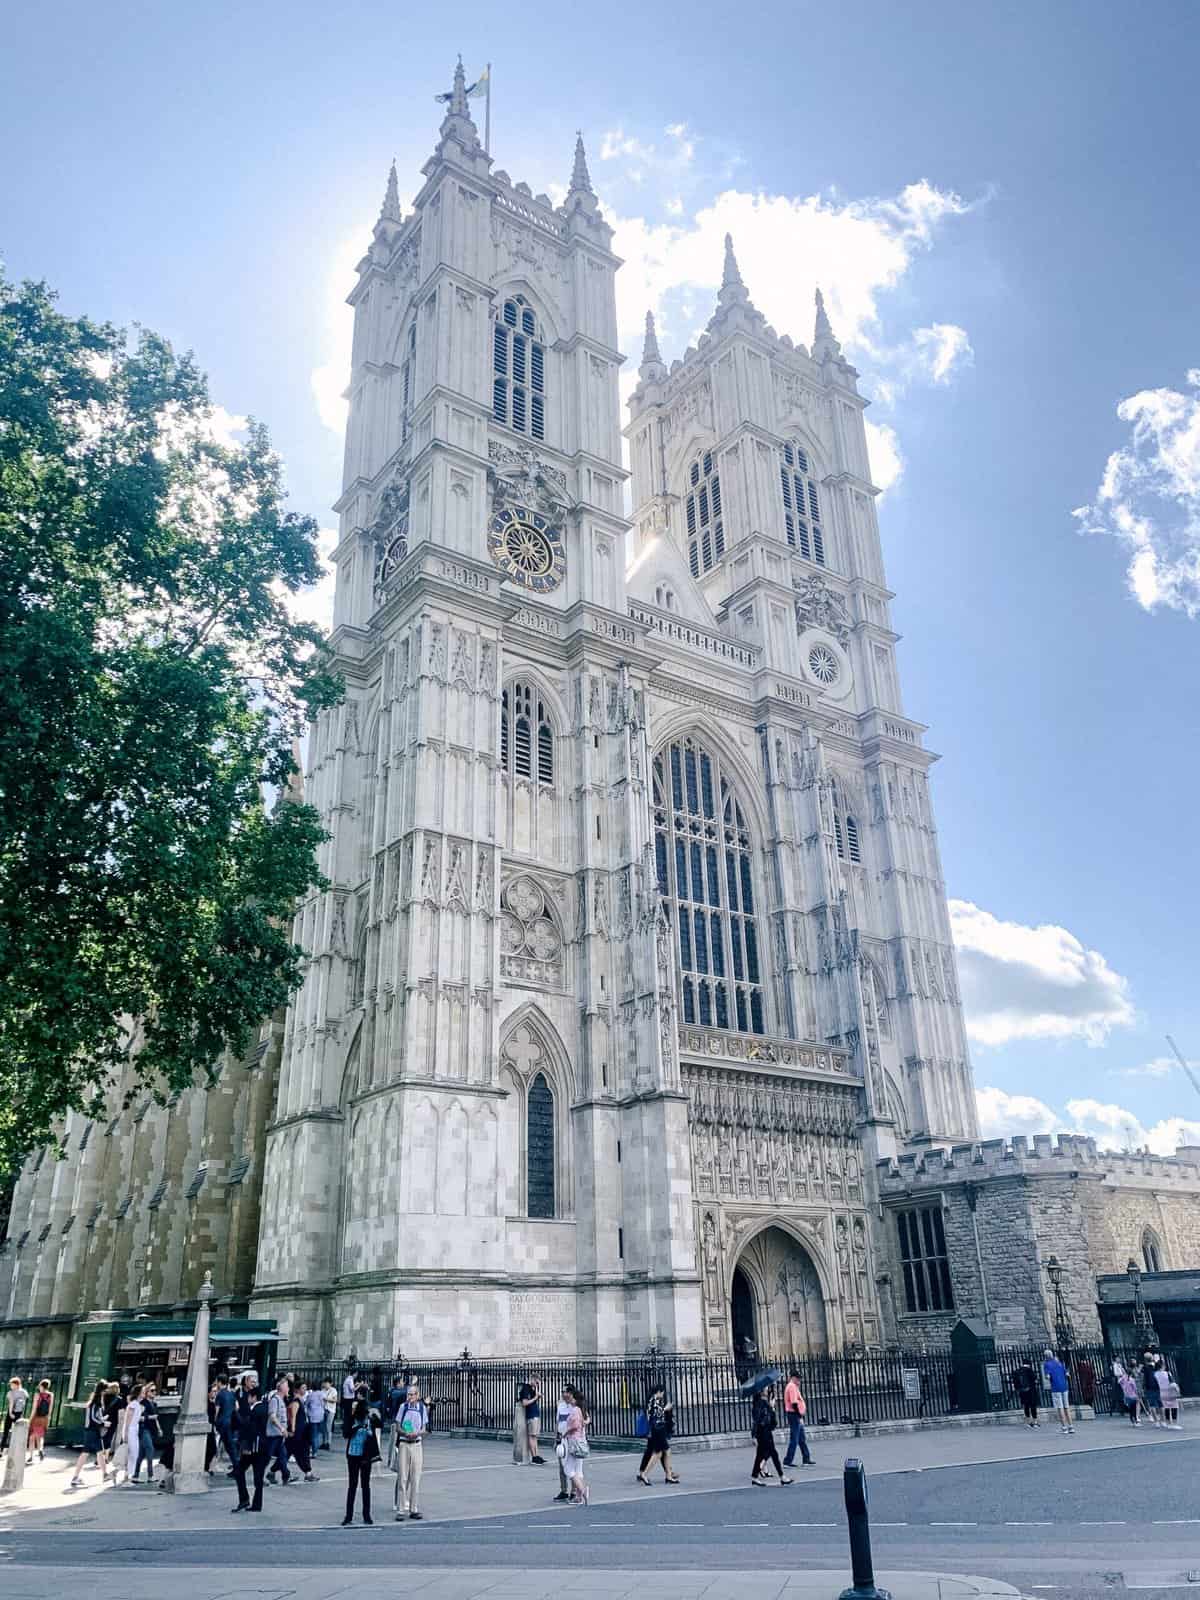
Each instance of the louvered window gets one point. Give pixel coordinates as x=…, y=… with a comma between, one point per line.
x=801, y=505
x=519, y=370
x=924, y=1261
x=706, y=530
x=526, y=734
x=702, y=858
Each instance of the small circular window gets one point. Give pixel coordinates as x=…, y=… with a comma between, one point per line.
x=823, y=664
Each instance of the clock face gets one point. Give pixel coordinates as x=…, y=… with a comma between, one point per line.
x=527, y=549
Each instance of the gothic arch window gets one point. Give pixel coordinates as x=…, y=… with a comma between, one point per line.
x=801, y=504
x=519, y=369
x=845, y=829
x=539, y=1145
x=407, y=372
x=702, y=507
x=526, y=734
x=703, y=860
x=1151, y=1251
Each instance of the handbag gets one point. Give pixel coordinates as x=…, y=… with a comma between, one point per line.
x=642, y=1426
x=578, y=1447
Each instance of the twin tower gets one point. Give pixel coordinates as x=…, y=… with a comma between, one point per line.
x=635, y=955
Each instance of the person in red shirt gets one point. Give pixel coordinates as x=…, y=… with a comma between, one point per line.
x=794, y=1410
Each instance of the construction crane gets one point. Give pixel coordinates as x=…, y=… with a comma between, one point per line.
x=1178, y=1053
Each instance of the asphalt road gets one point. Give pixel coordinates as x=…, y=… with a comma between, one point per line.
x=1074, y=1527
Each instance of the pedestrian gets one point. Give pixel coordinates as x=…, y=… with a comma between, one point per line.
x=131, y=1431
x=764, y=1422
x=277, y=1434
x=330, y=1394
x=362, y=1452
x=573, y=1447
x=412, y=1424
x=15, y=1403
x=114, y=1433
x=1026, y=1384
x=314, y=1406
x=527, y=1423
x=149, y=1434
x=659, y=1419
x=302, y=1432
x=1060, y=1390
x=224, y=1406
x=1162, y=1378
x=250, y=1426
x=562, y=1412
x=1170, y=1399
x=1129, y=1396
x=795, y=1409
x=39, y=1420
x=1151, y=1396
x=349, y=1395
x=95, y=1423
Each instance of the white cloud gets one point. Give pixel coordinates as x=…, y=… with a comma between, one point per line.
x=616, y=143
x=787, y=245
x=315, y=604
x=1001, y=1114
x=1149, y=497
x=942, y=348
x=330, y=379
x=1021, y=982
x=1112, y=1126
x=883, y=450
x=1160, y=1067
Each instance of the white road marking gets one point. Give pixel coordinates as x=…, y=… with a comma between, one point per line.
x=953, y=1524
x=1109, y=1524
x=1028, y=1524
x=1175, y=1522
x=811, y=1524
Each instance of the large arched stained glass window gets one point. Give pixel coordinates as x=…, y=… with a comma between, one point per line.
x=539, y=1149
x=702, y=851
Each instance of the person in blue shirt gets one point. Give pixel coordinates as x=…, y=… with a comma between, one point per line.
x=1060, y=1389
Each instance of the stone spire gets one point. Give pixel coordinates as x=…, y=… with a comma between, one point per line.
x=825, y=346
x=458, y=95
x=458, y=128
x=652, y=369
x=650, y=355
x=731, y=278
x=390, y=210
x=581, y=182
x=734, y=305
x=581, y=207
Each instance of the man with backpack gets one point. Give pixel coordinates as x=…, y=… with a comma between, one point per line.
x=412, y=1424
x=14, y=1409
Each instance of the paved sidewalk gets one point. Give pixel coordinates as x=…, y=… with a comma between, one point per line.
x=269, y=1583
x=466, y=1479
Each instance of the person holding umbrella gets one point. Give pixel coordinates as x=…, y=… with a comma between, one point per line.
x=763, y=1425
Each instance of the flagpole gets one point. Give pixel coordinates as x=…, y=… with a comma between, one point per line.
x=487, y=114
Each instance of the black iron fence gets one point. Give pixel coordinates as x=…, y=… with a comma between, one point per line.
x=707, y=1391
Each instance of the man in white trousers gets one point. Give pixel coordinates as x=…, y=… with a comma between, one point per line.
x=412, y=1424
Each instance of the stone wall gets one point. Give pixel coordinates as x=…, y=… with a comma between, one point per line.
x=1007, y=1206
x=140, y=1203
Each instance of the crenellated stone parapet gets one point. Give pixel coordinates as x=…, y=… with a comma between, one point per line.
x=1041, y=1155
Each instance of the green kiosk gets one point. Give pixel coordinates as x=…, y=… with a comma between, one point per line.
x=157, y=1349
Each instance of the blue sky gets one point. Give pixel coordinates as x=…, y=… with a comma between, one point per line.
x=1001, y=205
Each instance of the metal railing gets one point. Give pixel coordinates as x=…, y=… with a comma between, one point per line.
x=706, y=1391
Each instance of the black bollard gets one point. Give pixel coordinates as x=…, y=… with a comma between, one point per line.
x=854, y=1485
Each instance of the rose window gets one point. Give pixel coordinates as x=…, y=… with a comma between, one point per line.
x=823, y=664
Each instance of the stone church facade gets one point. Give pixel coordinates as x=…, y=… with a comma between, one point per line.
x=635, y=956
x=632, y=990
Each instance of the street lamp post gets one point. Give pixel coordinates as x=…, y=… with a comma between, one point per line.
x=1143, y=1322
x=1064, y=1333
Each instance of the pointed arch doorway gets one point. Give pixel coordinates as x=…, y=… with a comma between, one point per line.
x=776, y=1298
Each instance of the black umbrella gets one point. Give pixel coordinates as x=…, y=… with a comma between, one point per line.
x=761, y=1380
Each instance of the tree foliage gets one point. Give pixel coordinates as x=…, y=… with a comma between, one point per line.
x=152, y=681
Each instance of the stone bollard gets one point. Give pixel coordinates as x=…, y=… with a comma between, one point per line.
x=14, y=1461
x=854, y=1487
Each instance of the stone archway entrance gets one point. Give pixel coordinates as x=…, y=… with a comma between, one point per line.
x=786, y=1309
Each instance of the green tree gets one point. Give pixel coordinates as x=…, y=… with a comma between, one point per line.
x=152, y=685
